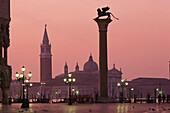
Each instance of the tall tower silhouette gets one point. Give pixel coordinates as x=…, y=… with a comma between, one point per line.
x=77, y=67
x=45, y=59
x=65, y=68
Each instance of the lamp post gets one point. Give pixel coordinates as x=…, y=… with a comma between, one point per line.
x=130, y=95
x=57, y=93
x=122, y=85
x=73, y=91
x=28, y=85
x=155, y=93
x=23, y=78
x=69, y=81
x=131, y=89
x=156, y=89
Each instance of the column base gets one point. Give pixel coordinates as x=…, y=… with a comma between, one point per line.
x=25, y=104
x=105, y=100
x=69, y=103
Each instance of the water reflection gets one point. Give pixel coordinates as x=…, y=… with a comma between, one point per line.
x=70, y=109
x=86, y=108
x=30, y=109
x=0, y=106
x=122, y=108
x=126, y=108
x=118, y=108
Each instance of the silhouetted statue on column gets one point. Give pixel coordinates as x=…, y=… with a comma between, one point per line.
x=103, y=67
x=104, y=13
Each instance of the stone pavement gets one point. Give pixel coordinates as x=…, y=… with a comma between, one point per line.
x=87, y=108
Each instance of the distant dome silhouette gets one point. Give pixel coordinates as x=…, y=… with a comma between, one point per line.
x=90, y=66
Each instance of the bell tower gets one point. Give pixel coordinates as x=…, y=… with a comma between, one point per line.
x=5, y=69
x=77, y=67
x=65, y=68
x=45, y=59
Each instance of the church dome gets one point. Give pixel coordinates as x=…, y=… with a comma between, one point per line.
x=90, y=66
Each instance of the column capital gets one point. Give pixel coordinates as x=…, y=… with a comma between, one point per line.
x=102, y=23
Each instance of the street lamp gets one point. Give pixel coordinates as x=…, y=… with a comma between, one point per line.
x=130, y=95
x=73, y=91
x=23, y=78
x=57, y=93
x=155, y=90
x=69, y=81
x=28, y=85
x=77, y=92
x=122, y=84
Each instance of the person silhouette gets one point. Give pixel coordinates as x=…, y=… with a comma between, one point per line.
x=159, y=98
x=10, y=100
x=96, y=97
x=148, y=97
x=163, y=98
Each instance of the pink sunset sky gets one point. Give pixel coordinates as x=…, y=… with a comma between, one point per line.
x=139, y=42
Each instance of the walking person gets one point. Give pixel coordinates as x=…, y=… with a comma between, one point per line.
x=163, y=98
x=10, y=100
x=159, y=98
x=96, y=97
x=148, y=98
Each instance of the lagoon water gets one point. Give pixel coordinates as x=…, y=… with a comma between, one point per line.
x=87, y=108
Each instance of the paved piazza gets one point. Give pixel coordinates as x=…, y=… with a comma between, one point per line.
x=87, y=108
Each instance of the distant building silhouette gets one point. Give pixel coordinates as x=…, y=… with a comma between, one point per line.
x=142, y=86
x=66, y=69
x=90, y=66
x=77, y=67
x=45, y=59
x=87, y=81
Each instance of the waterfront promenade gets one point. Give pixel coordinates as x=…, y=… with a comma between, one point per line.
x=88, y=108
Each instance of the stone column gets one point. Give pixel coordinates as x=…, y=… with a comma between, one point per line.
x=103, y=85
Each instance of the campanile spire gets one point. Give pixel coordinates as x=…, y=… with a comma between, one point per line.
x=45, y=38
